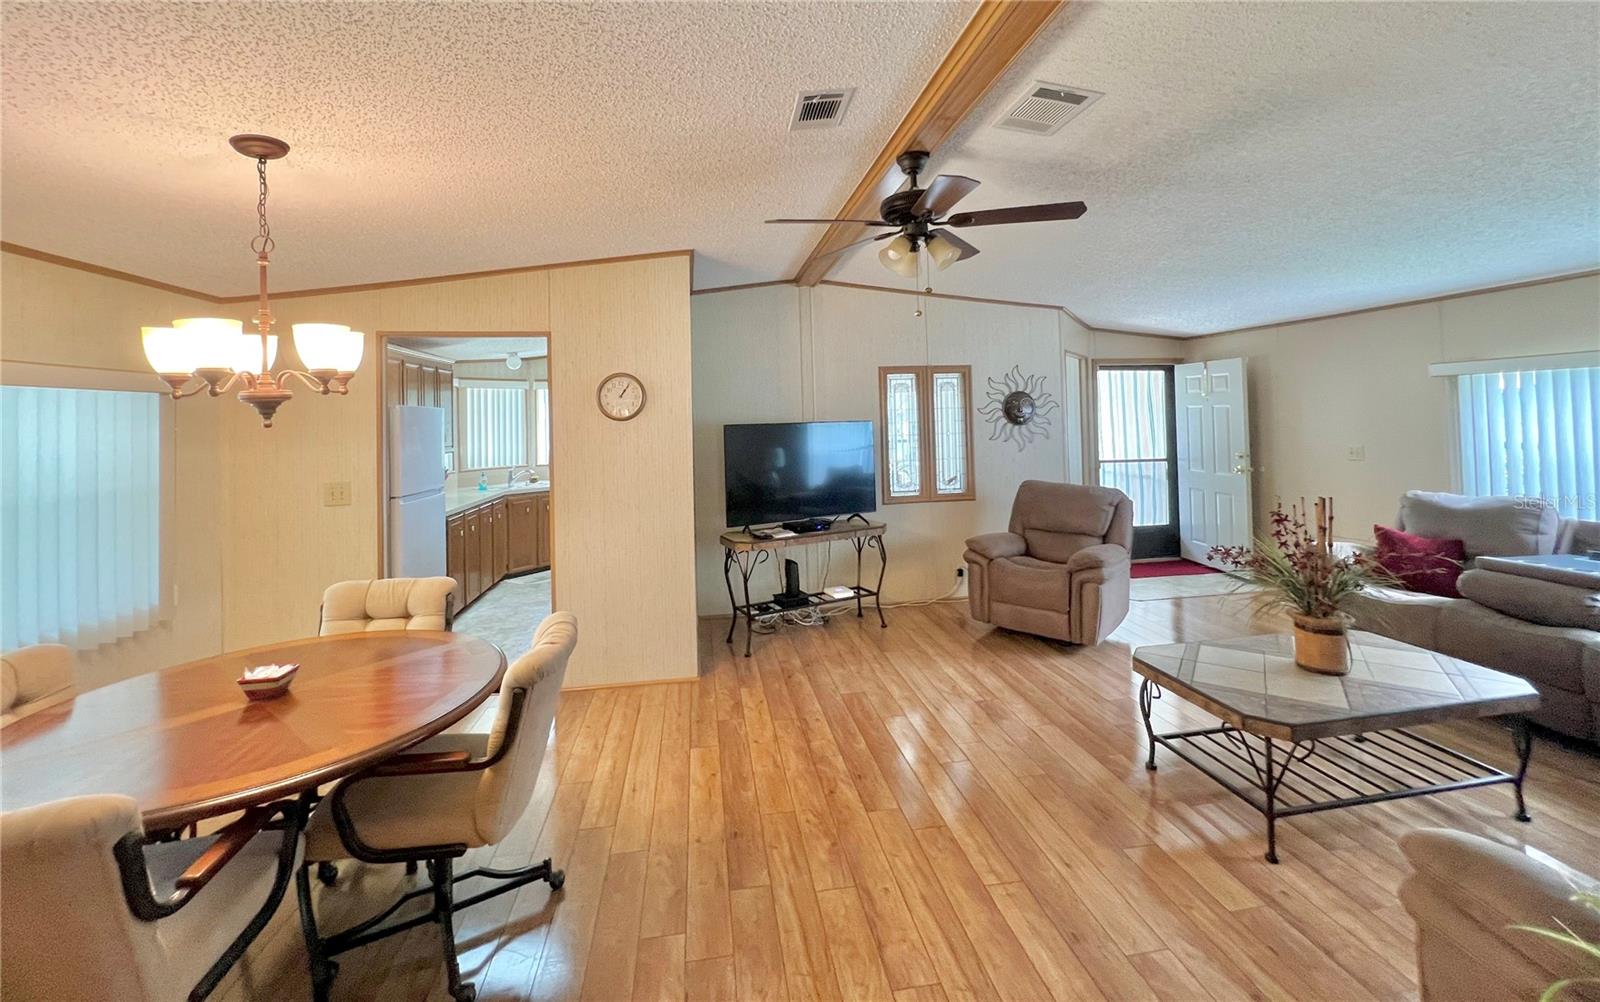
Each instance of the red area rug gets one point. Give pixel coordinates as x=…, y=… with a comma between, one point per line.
x=1170, y=569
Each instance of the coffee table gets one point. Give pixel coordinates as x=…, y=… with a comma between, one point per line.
x=1292, y=742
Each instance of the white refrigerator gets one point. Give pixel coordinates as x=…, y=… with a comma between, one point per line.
x=416, y=492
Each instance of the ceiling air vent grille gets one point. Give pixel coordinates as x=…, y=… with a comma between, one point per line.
x=1046, y=108
x=821, y=109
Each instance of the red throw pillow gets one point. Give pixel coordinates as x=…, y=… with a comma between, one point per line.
x=1422, y=564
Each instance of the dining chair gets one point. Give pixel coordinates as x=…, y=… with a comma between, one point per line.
x=388, y=604
x=432, y=803
x=93, y=910
x=32, y=678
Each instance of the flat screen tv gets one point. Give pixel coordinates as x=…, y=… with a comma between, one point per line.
x=805, y=469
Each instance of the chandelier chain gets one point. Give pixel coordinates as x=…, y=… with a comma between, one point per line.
x=262, y=242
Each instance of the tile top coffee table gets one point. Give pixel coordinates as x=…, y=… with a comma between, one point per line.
x=1293, y=742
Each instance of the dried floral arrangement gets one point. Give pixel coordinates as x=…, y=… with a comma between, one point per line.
x=1296, y=566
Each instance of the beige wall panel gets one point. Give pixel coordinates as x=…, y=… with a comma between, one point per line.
x=623, y=491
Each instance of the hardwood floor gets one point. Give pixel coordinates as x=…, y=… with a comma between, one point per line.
x=929, y=813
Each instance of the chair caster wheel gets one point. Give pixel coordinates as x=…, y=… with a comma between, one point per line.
x=327, y=874
x=558, y=879
x=465, y=993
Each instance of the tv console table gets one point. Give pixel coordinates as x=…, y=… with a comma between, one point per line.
x=746, y=552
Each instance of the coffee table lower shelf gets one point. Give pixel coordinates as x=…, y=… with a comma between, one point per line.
x=1283, y=779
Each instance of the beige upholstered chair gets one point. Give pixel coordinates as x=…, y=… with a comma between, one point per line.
x=388, y=604
x=90, y=911
x=1062, y=569
x=443, y=797
x=1465, y=893
x=32, y=678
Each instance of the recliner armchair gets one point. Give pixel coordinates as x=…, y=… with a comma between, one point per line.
x=1061, y=571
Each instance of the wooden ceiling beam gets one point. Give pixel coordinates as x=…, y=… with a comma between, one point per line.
x=991, y=41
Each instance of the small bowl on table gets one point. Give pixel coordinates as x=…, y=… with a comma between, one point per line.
x=267, y=681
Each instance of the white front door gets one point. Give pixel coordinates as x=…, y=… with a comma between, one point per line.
x=1213, y=457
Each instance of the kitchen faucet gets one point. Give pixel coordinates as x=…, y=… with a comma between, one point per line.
x=518, y=471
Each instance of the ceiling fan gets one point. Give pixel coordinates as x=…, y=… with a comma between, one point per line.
x=916, y=218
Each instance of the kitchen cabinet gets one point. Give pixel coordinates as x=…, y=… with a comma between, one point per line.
x=394, y=389
x=472, y=558
x=544, y=545
x=523, y=533
x=500, y=532
x=455, y=556
x=496, y=539
x=486, y=548
x=413, y=384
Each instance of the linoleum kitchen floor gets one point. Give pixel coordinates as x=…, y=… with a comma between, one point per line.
x=509, y=613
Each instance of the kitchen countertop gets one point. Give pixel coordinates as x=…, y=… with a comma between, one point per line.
x=462, y=498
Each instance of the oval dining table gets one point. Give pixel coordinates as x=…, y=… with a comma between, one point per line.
x=186, y=744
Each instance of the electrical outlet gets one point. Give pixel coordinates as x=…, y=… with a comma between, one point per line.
x=961, y=572
x=1356, y=453
x=336, y=494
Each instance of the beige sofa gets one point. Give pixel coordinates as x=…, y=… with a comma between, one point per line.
x=1061, y=571
x=1532, y=633
x=1465, y=893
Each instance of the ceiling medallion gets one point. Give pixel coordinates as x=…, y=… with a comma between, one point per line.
x=1017, y=408
x=216, y=349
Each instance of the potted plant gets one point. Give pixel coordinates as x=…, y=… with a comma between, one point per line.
x=1298, y=571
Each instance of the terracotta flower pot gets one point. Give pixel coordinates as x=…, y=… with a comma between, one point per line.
x=1320, y=645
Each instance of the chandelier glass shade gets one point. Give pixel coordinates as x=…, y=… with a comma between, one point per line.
x=217, y=350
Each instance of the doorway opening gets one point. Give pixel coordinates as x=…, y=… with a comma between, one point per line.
x=465, y=469
x=1137, y=437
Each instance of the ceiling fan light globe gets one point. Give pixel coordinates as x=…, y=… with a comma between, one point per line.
x=904, y=265
x=894, y=250
x=943, y=252
x=513, y=361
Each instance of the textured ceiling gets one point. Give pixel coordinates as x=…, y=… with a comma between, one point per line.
x=1257, y=162
x=433, y=138
x=459, y=349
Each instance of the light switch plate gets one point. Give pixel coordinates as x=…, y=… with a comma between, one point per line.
x=1356, y=453
x=336, y=494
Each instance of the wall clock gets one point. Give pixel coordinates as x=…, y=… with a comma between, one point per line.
x=621, y=396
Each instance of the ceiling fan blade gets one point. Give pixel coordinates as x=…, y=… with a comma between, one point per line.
x=864, y=222
x=943, y=193
x=966, y=249
x=1019, y=214
x=857, y=243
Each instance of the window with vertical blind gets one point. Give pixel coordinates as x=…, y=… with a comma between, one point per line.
x=80, y=515
x=541, y=424
x=494, y=424
x=927, y=432
x=1135, y=451
x=1532, y=434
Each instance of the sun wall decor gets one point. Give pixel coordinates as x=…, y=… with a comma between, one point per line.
x=1018, y=408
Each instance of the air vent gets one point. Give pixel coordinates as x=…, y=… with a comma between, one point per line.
x=1046, y=108
x=821, y=109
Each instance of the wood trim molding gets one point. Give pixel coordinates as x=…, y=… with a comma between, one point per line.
x=95, y=269
x=991, y=41
x=459, y=276
x=1529, y=283
x=739, y=288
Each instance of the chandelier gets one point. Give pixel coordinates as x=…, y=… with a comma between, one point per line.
x=217, y=351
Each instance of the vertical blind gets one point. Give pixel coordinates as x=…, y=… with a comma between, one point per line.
x=494, y=428
x=541, y=424
x=80, y=515
x=1134, y=451
x=1534, y=435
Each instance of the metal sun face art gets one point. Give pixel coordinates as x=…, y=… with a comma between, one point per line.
x=1018, y=408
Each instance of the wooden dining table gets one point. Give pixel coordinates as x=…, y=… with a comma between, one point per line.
x=186, y=744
